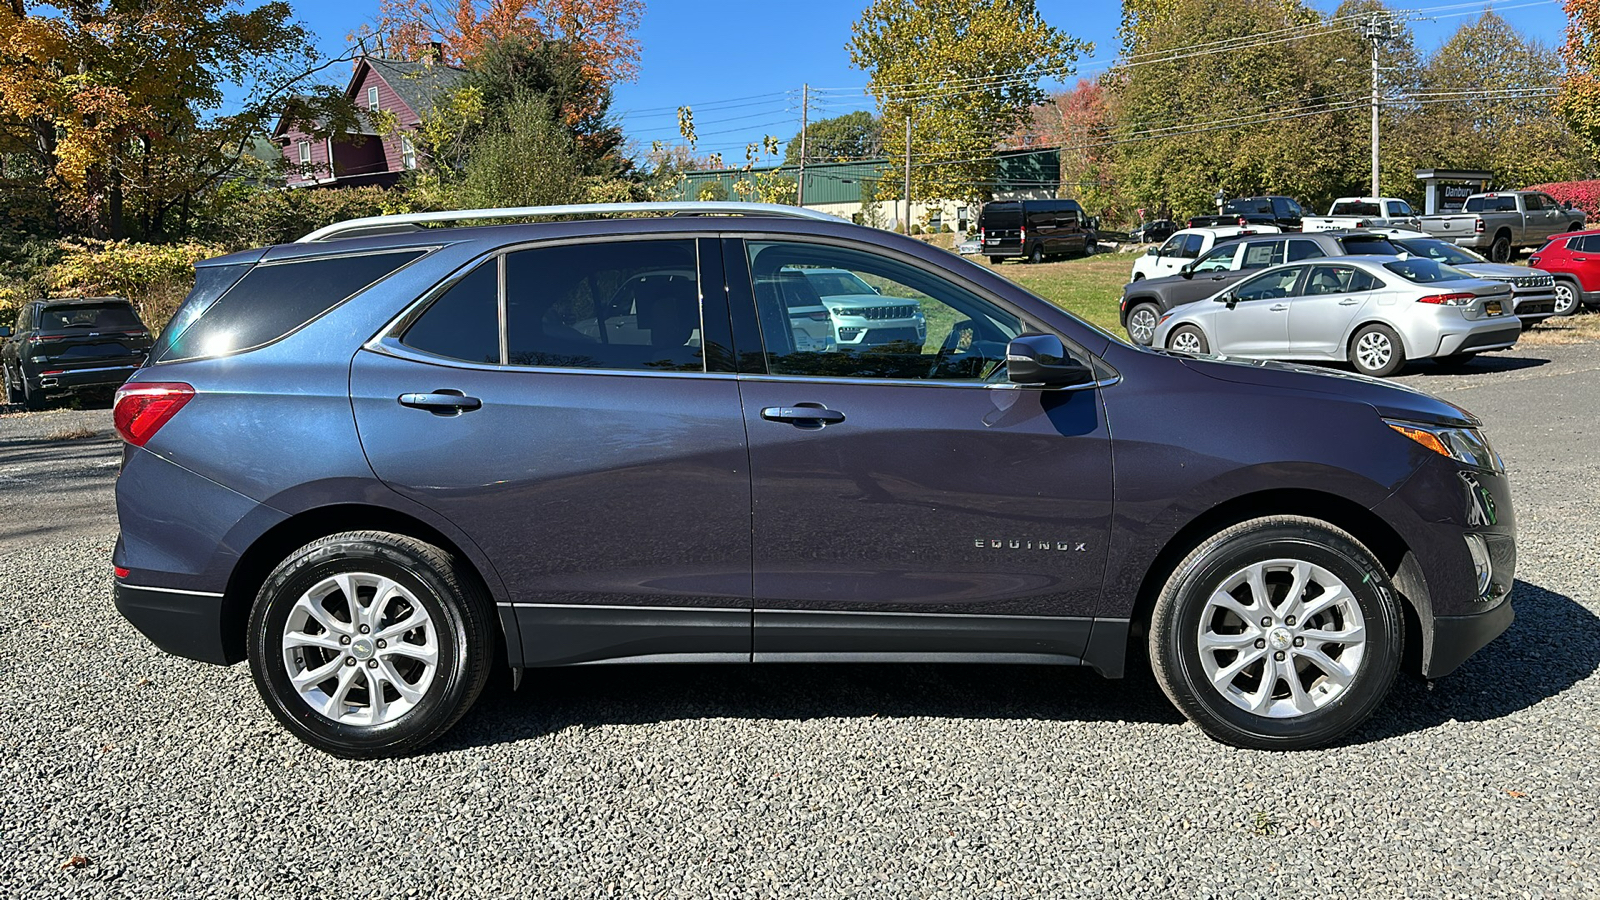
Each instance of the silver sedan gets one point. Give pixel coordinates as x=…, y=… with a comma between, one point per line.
x=1376, y=312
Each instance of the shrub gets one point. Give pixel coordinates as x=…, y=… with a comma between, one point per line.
x=155, y=277
x=255, y=217
x=916, y=229
x=1585, y=195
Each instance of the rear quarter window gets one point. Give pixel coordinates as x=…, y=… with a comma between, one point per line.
x=270, y=301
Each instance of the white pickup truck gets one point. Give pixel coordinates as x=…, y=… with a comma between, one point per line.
x=1495, y=224
x=1363, y=212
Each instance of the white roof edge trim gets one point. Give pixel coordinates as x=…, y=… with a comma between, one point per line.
x=572, y=209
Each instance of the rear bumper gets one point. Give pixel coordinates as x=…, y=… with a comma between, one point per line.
x=190, y=624
x=99, y=376
x=1499, y=336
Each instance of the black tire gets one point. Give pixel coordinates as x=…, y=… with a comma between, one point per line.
x=1568, y=298
x=1177, y=620
x=1172, y=339
x=13, y=392
x=1143, y=318
x=1376, y=364
x=1037, y=255
x=1500, y=250
x=1455, y=362
x=1091, y=247
x=996, y=260
x=30, y=398
x=442, y=586
x=1138, y=276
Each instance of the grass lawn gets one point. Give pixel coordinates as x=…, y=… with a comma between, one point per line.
x=1090, y=287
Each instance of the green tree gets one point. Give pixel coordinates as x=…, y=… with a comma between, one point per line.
x=1579, y=100
x=965, y=73
x=1507, y=123
x=524, y=158
x=850, y=136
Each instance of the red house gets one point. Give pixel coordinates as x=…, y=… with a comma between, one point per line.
x=406, y=90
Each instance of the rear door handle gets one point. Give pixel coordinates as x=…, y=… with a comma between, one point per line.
x=1351, y=302
x=441, y=402
x=1278, y=307
x=805, y=415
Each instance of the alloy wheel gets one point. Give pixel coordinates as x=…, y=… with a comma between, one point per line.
x=1186, y=342
x=1374, y=350
x=1282, y=638
x=1142, y=325
x=360, y=649
x=1566, y=299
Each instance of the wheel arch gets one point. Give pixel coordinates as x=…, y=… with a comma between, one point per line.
x=276, y=543
x=1366, y=526
x=1350, y=336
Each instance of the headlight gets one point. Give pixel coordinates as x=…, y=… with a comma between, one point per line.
x=1466, y=445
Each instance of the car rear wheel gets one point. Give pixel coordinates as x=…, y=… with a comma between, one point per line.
x=1037, y=256
x=1188, y=339
x=370, y=644
x=1376, y=350
x=1500, y=250
x=1566, y=298
x=31, y=398
x=13, y=393
x=1280, y=633
x=1142, y=321
x=996, y=260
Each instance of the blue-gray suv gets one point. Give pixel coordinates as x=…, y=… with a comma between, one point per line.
x=385, y=460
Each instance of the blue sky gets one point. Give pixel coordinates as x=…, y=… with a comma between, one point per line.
x=741, y=64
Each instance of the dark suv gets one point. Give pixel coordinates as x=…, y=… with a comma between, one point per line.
x=70, y=345
x=1284, y=212
x=1144, y=301
x=373, y=465
x=1035, y=230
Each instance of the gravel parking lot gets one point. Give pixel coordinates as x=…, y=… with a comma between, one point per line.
x=129, y=773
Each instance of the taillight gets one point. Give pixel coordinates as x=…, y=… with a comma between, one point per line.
x=980, y=234
x=141, y=409
x=119, y=571
x=1477, y=226
x=1022, y=234
x=1243, y=221
x=1449, y=299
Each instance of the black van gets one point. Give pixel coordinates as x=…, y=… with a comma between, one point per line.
x=1034, y=229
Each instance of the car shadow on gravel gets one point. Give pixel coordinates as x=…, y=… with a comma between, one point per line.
x=1482, y=365
x=1554, y=644
x=551, y=700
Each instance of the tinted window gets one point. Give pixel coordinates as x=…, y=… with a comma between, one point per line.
x=274, y=299
x=1490, y=204
x=1269, y=286
x=1441, y=251
x=210, y=282
x=1338, y=280
x=1259, y=255
x=1532, y=203
x=1173, y=246
x=1399, y=208
x=464, y=323
x=1249, y=205
x=1586, y=244
x=1301, y=249
x=633, y=305
x=919, y=326
x=1355, y=208
x=89, y=317
x=1424, y=271
x=1191, y=246
x=1001, y=215
x=1219, y=259
x=1369, y=245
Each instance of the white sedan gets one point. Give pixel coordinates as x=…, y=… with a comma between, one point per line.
x=1376, y=312
x=1186, y=246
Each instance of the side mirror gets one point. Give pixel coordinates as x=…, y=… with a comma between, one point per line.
x=1187, y=271
x=1153, y=251
x=5, y=331
x=1041, y=359
x=1230, y=298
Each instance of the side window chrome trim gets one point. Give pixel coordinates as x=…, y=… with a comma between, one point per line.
x=388, y=345
x=1108, y=381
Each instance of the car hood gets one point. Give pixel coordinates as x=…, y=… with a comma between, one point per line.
x=1497, y=271
x=853, y=300
x=1389, y=399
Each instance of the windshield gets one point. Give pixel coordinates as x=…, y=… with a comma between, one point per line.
x=1442, y=251
x=1354, y=208
x=837, y=284
x=1368, y=245
x=1418, y=270
x=89, y=317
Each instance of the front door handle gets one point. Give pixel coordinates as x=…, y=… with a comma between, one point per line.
x=441, y=402
x=1278, y=307
x=803, y=415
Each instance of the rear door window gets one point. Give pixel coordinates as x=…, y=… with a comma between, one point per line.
x=1261, y=254
x=1303, y=249
x=274, y=299
x=464, y=323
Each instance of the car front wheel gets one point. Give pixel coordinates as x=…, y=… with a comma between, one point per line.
x=1188, y=339
x=1037, y=256
x=1280, y=633
x=1142, y=321
x=370, y=644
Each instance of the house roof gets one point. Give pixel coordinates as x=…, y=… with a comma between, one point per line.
x=417, y=84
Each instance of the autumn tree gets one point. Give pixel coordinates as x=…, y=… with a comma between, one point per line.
x=1077, y=123
x=965, y=73
x=1579, y=100
x=855, y=135
x=115, y=103
x=600, y=31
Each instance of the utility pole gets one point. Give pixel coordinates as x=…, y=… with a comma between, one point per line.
x=805, y=107
x=1378, y=30
x=908, y=171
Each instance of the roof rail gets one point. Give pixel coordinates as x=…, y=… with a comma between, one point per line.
x=413, y=221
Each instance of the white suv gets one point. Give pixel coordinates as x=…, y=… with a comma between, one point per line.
x=837, y=307
x=1186, y=246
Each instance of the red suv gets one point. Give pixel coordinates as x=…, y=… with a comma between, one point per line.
x=1574, y=259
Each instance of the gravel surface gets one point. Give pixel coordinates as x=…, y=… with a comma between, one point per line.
x=128, y=773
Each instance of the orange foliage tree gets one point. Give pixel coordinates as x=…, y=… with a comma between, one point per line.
x=1579, y=99
x=601, y=31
